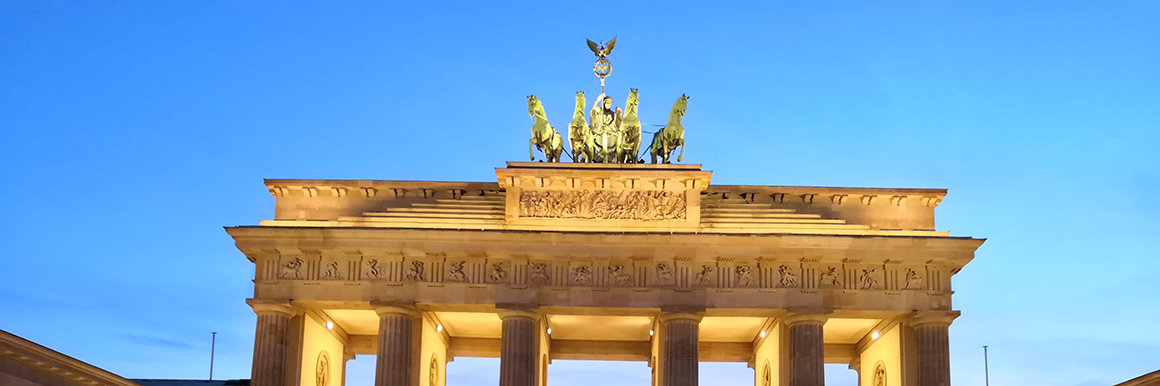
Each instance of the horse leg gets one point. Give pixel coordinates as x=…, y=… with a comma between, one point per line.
x=531, y=153
x=681, y=142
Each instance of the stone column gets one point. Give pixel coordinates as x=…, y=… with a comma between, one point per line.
x=806, y=349
x=679, y=349
x=269, y=367
x=395, y=362
x=518, y=348
x=934, y=357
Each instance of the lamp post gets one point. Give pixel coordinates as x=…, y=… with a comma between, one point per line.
x=986, y=369
x=212, y=346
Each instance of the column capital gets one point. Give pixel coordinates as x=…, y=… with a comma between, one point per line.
x=791, y=320
x=384, y=309
x=507, y=313
x=272, y=307
x=933, y=318
x=666, y=317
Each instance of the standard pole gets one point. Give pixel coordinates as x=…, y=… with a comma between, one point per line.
x=986, y=369
x=212, y=346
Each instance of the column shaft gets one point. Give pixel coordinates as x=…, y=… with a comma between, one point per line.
x=934, y=359
x=269, y=367
x=680, y=350
x=807, y=350
x=394, y=364
x=518, y=349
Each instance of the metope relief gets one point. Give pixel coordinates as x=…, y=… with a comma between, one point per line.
x=372, y=271
x=664, y=273
x=582, y=275
x=538, y=273
x=705, y=276
x=603, y=204
x=914, y=280
x=498, y=273
x=830, y=278
x=455, y=271
x=868, y=279
x=744, y=276
x=620, y=275
x=291, y=270
x=332, y=272
x=415, y=272
x=786, y=277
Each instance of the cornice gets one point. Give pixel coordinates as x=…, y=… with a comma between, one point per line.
x=49, y=361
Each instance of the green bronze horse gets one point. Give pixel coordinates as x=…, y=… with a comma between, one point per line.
x=667, y=139
x=630, y=130
x=579, y=134
x=544, y=136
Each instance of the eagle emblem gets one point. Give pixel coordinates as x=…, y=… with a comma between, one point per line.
x=601, y=50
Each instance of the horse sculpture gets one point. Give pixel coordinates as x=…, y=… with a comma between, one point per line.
x=667, y=139
x=579, y=134
x=630, y=130
x=544, y=136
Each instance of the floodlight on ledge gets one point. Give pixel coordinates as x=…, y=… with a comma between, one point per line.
x=763, y=334
x=650, y=332
x=329, y=325
x=438, y=328
x=549, y=331
x=874, y=335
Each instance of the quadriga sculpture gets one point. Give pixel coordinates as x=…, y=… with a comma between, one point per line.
x=630, y=130
x=544, y=136
x=579, y=134
x=667, y=139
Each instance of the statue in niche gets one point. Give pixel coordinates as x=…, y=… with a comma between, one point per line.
x=664, y=273
x=291, y=269
x=620, y=274
x=914, y=280
x=744, y=276
x=829, y=278
x=705, y=277
x=456, y=271
x=869, y=278
x=788, y=278
x=415, y=273
x=498, y=274
x=371, y=269
x=582, y=275
x=539, y=274
x=332, y=271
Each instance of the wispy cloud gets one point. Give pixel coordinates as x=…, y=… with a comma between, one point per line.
x=154, y=341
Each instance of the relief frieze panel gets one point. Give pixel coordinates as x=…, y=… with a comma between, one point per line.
x=637, y=205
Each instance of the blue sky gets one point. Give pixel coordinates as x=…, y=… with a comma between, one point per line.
x=131, y=132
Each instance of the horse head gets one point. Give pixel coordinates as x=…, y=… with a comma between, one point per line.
x=580, y=101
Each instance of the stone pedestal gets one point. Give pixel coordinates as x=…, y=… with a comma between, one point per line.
x=679, y=349
x=807, y=350
x=518, y=348
x=270, y=341
x=395, y=355
x=934, y=358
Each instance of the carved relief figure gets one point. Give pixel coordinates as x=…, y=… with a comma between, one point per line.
x=498, y=274
x=322, y=370
x=788, y=278
x=620, y=274
x=914, y=280
x=456, y=271
x=290, y=269
x=869, y=278
x=332, y=271
x=879, y=375
x=582, y=275
x=705, y=277
x=603, y=204
x=371, y=269
x=664, y=273
x=744, y=276
x=829, y=278
x=539, y=274
x=415, y=273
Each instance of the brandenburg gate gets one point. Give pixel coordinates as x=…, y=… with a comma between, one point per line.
x=601, y=261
